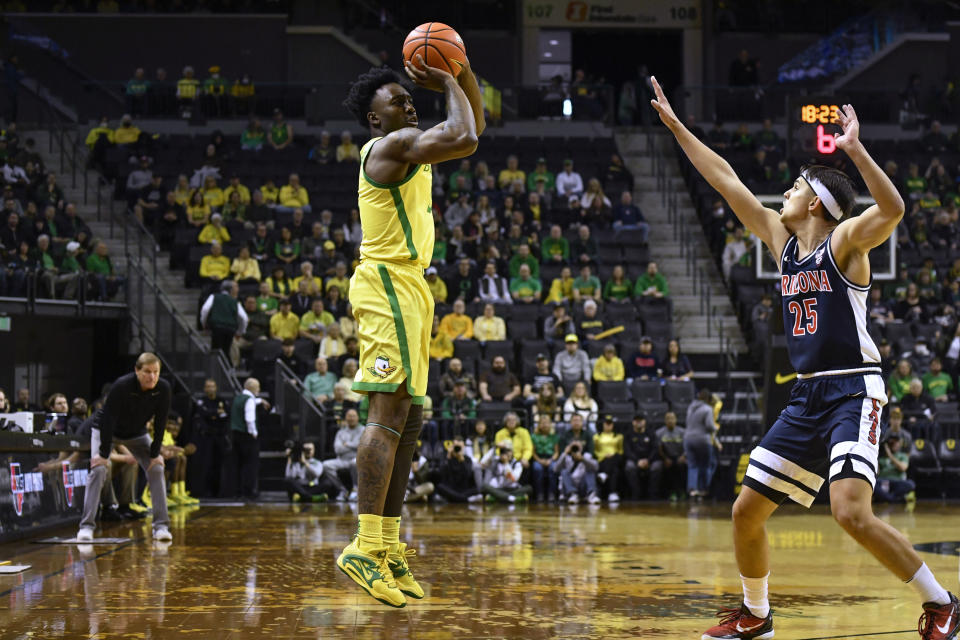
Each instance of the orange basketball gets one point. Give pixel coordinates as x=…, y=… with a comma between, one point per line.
x=440, y=46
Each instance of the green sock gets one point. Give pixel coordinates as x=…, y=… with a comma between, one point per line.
x=369, y=532
x=391, y=533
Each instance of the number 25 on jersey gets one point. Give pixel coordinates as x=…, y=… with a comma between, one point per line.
x=804, y=318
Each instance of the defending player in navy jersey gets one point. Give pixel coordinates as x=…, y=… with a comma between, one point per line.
x=829, y=431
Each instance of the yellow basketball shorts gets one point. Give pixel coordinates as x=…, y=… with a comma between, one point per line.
x=394, y=311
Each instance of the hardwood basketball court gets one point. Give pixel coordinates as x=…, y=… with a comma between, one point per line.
x=638, y=571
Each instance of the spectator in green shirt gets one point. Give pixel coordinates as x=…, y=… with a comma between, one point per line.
x=651, y=284
x=457, y=409
x=523, y=257
x=136, y=91
x=586, y=286
x=618, y=287
x=319, y=384
x=540, y=174
x=899, y=381
x=253, y=137
x=101, y=271
x=937, y=383
x=525, y=288
x=892, y=483
x=554, y=249
x=467, y=174
x=915, y=185
x=545, y=452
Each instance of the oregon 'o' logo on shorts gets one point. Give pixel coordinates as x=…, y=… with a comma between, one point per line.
x=381, y=367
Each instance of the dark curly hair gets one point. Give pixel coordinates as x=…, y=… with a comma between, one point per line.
x=362, y=91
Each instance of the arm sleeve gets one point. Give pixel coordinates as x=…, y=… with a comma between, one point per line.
x=242, y=319
x=250, y=416
x=205, y=310
x=585, y=359
x=108, y=419
x=160, y=418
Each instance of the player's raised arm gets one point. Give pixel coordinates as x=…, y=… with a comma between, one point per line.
x=471, y=88
x=872, y=227
x=762, y=222
x=455, y=137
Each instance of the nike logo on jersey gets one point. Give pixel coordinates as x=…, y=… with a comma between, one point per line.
x=945, y=628
x=784, y=379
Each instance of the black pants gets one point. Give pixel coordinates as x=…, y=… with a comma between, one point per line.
x=222, y=339
x=611, y=466
x=243, y=468
x=213, y=451
x=455, y=494
x=644, y=483
x=323, y=485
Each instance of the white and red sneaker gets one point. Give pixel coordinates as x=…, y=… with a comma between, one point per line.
x=740, y=624
x=940, y=621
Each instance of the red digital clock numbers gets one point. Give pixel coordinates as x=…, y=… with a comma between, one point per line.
x=826, y=143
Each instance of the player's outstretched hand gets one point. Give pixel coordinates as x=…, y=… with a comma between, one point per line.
x=426, y=77
x=662, y=105
x=851, y=127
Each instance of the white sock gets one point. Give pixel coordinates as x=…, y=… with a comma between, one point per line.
x=755, y=595
x=927, y=586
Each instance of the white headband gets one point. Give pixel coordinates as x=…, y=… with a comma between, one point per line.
x=829, y=203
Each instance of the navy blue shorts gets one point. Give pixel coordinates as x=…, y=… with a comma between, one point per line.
x=829, y=429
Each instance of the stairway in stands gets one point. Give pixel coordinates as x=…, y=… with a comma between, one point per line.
x=723, y=365
x=122, y=236
x=666, y=240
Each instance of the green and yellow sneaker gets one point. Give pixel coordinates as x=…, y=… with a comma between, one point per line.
x=370, y=571
x=401, y=571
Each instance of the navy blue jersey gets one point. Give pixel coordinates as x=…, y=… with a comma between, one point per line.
x=824, y=315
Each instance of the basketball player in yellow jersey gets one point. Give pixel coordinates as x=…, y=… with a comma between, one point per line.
x=392, y=304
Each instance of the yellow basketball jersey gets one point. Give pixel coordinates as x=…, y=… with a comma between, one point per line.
x=397, y=219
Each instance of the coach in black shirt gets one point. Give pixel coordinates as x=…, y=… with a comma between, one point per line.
x=133, y=400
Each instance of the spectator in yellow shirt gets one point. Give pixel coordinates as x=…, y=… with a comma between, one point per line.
x=270, y=193
x=346, y=150
x=608, y=450
x=239, y=188
x=511, y=174
x=561, y=289
x=313, y=324
x=215, y=267
x=102, y=129
x=489, y=326
x=198, y=211
x=188, y=87
x=608, y=367
x=126, y=133
x=436, y=285
x=306, y=273
x=214, y=231
x=245, y=269
x=183, y=191
x=441, y=346
x=284, y=324
x=293, y=196
x=339, y=279
x=457, y=324
x=212, y=194
x=518, y=436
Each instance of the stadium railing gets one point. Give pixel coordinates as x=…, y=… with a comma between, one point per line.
x=301, y=418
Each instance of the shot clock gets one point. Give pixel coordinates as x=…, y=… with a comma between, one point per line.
x=811, y=123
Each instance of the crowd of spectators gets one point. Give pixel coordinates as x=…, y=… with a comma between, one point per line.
x=46, y=248
x=532, y=318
